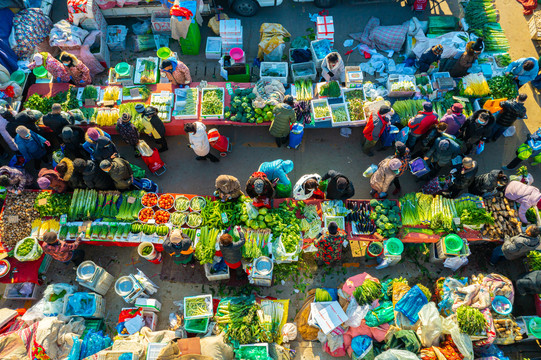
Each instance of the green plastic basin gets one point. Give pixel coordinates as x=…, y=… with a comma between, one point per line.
x=18, y=76
x=122, y=69
x=394, y=246
x=453, y=243
x=40, y=72
x=164, y=53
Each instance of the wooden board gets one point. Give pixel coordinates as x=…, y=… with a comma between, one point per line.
x=358, y=248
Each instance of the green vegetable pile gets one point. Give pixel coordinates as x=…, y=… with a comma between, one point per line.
x=339, y=114
x=25, y=247
x=470, y=320
x=178, y=218
x=67, y=99
x=330, y=89
x=369, y=291
x=242, y=110
x=356, y=109
x=90, y=92
x=387, y=287
x=534, y=260
x=321, y=110
x=237, y=318
x=354, y=94
x=56, y=204
x=303, y=90
x=386, y=216
x=406, y=109
x=162, y=230
x=212, y=213
x=212, y=102
x=194, y=220
x=130, y=205
x=206, y=246
x=182, y=203
x=476, y=217
x=197, y=203
x=144, y=91
x=196, y=306
x=443, y=212
x=503, y=87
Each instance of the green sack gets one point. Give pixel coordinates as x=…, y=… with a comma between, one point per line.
x=536, y=159
x=138, y=173
x=380, y=315
x=524, y=151
x=283, y=191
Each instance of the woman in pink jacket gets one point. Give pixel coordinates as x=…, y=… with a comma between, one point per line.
x=176, y=71
x=79, y=73
x=525, y=195
x=57, y=70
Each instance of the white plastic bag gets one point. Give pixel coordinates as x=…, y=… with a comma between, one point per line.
x=355, y=313
x=454, y=263
x=45, y=307
x=34, y=254
x=393, y=354
x=289, y=332
x=510, y=131
x=462, y=341
x=430, y=327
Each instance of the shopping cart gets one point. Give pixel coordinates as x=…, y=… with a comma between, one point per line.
x=155, y=163
x=219, y=142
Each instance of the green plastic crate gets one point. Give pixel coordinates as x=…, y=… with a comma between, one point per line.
x=197, y=326
x=192, y=43
x=240, y=78
x=93, y=324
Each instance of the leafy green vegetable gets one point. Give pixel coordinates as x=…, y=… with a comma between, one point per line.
x=470, y=320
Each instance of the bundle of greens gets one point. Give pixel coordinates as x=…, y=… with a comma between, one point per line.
x=303, y=90
x=330, y=89
x=206, y=246
x=237, y=318
x=406, y=109
x=503, y=87
x=52, y=204
x=534, y=260
x=470, y=320
x=130, y=205
x=369, y=291
x=476, y=217
x=409, y=208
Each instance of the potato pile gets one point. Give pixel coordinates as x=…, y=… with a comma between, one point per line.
x=506, y=222
x=22, y=206
x=507, y=328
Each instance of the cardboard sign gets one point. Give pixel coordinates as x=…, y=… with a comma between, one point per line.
x=13, y=219
x=131, y=199
x=42, y=202
x=108, y=103
x=127, y=82
x=134, y=92
x=90, y=102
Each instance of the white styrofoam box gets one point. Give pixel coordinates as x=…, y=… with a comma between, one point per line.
x=153, y=350
x=324, y=19
x=231, y=26
x=213, y=50
x=215, y=277
x=103, y=56
x=32, y=296
x=96, y=22
x=325, y=25
x=335, y=107
x=232, y=37
x=308, y=69
x=148, y=304
x=280, y=67
x=161, y=21
x=320, y=102
x=151, y=319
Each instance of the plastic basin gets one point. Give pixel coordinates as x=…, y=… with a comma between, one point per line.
x=502, y=305
x=164, y=53
x=18, y=76
x=534, y=327
x=394, y=246
x=375, y=249
x=122, y=69
x=40, y=72
x=236, y=54
x=453, y=243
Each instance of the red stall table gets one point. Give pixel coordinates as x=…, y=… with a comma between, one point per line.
x=21, y=272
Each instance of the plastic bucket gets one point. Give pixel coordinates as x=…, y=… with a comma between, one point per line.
x=237, y=54
x=153, y=254
x=534, y=327
x=122, y=69
x=18, y=76
x=164, y=53
x=394, y=246
x=453, y=243
x=375, y=249
x=40, y=72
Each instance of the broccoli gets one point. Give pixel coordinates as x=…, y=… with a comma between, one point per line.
x=388, y=203
x=373, y=216
x=384, y=219
x=389, y=226
x=380, y=224
x=251, y=96
x=393, y=218
x=379, y=231
x=379, y=209
x=396, y=209
x=374, y=203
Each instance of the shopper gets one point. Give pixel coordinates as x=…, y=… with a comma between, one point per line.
x=56, y=120
x=523, y=70
x=78, y=71
x=51, y=179
x=105, y=149
x=76, y=181
x=441, y=154
x=14, y=180
x=421, y=124
x=95, y=178
x=428, y=140
x=464, y=176
x=8, y=139
x=454, y=119
x=511, y=111
x=338, y=187
x=380, y=181
x=284, y=117
x=61, y=250
x=227, y=188
x=518, y=246
x=73, y=138
x=176, y=71
x=277, y=171
x=531, y=148
x=525, y=195
x=231, y=251
x=91, y=137
x=333, y=68
x=199, y=141
x=56, y=69
x=128, y=132
x=179, y=246
x=375, y=128
x=32, y=146
x=329, y=245
x=27, y=118
x=430, y=59
x=307, y=187
x=260, y=189
x=489, y=183
x=477, y=128
x=401, y=153
x=120, y=172
x=152, y=125
x=468, y=57
x=66, y=170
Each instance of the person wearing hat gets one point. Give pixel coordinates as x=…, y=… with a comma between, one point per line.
x=488, y=184
x=95, y=178
x=388, y=170
x=531, y=148
x=430, y=59
x=464, y=176
x=468, y=57
x=78, y=71
x=199, y=141
x=454, y=119
x=401, y=153
x=73, y=138
x=27, y=118
x=284, y=117
x=375, y=127
x=176, y=71
x=512, y=110
x=32, y=146
x=14, y=180
x=153, y=125
x=4, y=123
x=66, y=170
x=58, y=71
x=51, y=179
x=277, y=171
x=120, y=172
x=105, y=149
x=441, y=154
x=76, y=181
x=523, y=70
x=307, y=187
x=179, y=246
x=517, y=246
x=338, y=186
x=56, y=120
x=329, y=245
x=231, y=251
x=421, y=124
x=61, y=250
x=227, y=188
x=333, y=68
x=526, y=196
x=91, y=138
x=428, y=139
x=259, y=188
x=128, y=132
x=477, y=128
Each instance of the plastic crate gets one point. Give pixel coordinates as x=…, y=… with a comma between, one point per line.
x=99, y=303
x=308, y=67
x=47, y=259
x=396, y=78
x=33, y=296
x=153, y=350
x=534, y=26
x=317, y=60
x=210, y=306
x=197, y=326
x=280, y=67
x=319, y=102
x=93, y=324
x=213, y=49
x=215, y=277
x=211, y=116
x=343, y=123
x=161, y=22
x=465, y=251
x=265, y=345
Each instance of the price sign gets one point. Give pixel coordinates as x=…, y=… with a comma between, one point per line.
x=127, y=82
x=13, y=219
x=90, y=102
x=108, y=103
x=131, y=199
x=134, y=92
x=151, y=221
x=42, y=202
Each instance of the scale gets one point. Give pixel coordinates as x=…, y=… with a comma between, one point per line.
x=261, y=271
x=94, y=277
x=129, y=288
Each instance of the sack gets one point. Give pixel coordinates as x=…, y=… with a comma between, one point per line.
x=34, y=254
x=289, y=332
x=355, y=313
x=430, y=326
x=380, y=315
x=362, y=347
x=394, y=354
x=524, y=151
x=510, y=131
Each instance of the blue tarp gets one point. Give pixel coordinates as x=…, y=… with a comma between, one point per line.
x=8, y=59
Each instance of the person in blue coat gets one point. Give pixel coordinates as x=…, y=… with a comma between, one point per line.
x=32, y=146
x=523, y=70
x=91, y=138
x=277, y=169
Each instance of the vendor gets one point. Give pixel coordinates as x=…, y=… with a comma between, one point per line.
x=277, y=170
x=525, y=195
x=56, y=120
x=176, y=71
x=523, y=70
x=260, y=189
x=128, y=132
x=464, y=176
x=78, y=71
x=153, y=125
x=231, y=251
x=329, y=245
x=488, y=184
x=179, y=246
x=307, y=187
x=332, y=68
x=430, y=59
x=58, y=71
x=51, y=179
x=518, y=246
x=14, y=180
x=468, y=57
x=338, y=187
x=375, y=127
x=62, y=251
x=284, y=117
x=227, y=188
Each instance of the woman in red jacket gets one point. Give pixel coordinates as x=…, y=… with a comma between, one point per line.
x=375, y=127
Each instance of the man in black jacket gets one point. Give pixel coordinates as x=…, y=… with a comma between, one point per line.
x=95, y=178
x=488, y=183
x=73, y=138
x=56, y=120
x=511, y=111
x=153, y=125
x=464, y=176
x=476, y=128
x=26, y=118
x=339, y=187
x=232, y=251
x=105, y=149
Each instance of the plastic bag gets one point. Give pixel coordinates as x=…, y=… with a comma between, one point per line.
x=355, y=313
x=370, y=171
x=94, y=342
x=142, y=28
x=34, y=254
x=393, y=354
x=430, y=327
x=411, y=303
x=81, y=304
x=454, y=263
x=510, y=131
x=289, y=332
x=462, y=341
x=362, y=347
x=75, y=349
x=51, y=304
x=380, y=315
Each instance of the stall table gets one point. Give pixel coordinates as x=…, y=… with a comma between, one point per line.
x=21, y=272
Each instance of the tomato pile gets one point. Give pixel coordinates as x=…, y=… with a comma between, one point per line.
x=161, y=216
x=166, y=201
x=146, y=214
x=149, y=199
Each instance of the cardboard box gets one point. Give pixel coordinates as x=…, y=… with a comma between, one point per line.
x=325, y=25
x=149, y=304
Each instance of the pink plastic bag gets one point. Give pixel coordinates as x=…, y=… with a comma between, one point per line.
x=106, y=4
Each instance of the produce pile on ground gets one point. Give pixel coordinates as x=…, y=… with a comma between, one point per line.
x=238, y=319
x=256, y=244
x=406, y=109
x=52, y=204
x=482, y=19
x=212, y=102
x=386, y=216
x=369, y=291
x=17, y=217
x=505, y=223
x=470, y=320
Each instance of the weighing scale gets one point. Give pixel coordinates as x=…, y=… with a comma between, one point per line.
x=94, y=277
x=122, y=75
x=261, y=271
x=129, y=288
